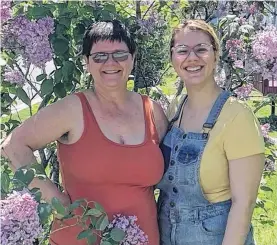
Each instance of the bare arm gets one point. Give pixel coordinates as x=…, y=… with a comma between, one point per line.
x=245, y=176
x=48, y=125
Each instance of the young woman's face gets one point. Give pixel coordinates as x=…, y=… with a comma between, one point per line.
x=193, y=57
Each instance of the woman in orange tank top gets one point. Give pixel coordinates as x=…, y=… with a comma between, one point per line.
x=108, y=138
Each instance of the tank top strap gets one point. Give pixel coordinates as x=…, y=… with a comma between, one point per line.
x=150, y=127
x=87, y=112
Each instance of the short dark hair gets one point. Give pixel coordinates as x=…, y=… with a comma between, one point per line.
x=110, y=30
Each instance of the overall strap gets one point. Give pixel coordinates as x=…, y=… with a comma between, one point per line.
x=216, y=109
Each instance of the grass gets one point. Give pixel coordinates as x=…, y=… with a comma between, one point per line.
x=21, y=115
x=265, y=234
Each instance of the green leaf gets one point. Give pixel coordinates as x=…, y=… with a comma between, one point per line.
x=84, y=234
x=91, y=239
x=65, y=21
x=99, y=207
x=58, y=206
x=266, y=188
x=68, y=216
x=44, y=212
x=110, y=7
x=68, y=70
x=39, y=11
x=59, y=90
x=68, y=86
x=79, y=30
x=5, y=182
x=24, y=176
x=93, y=221
x=95, y=212
x=58, y=76
x=3, y=126
x=75, y=204
x=60, y=46
x=102, y=223
x=39, y=170
x=47, y=86
x=41, y=77
x=105, y=243
x=38, y=196
x=117, y=234
x=58, y=62
x=22, y=95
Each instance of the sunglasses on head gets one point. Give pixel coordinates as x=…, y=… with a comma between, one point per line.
x=102, y=57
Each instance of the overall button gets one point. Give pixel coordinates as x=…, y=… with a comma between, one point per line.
x=175, y=190
x=170, y=177
x=172, y=204
x=172, y=162
x=176, y=148
x=184, y=136
x=205, y=136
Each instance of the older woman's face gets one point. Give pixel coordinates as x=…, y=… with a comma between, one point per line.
x=110, y=63
x=193, y=57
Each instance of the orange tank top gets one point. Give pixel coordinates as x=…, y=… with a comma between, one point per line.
x=119, y=177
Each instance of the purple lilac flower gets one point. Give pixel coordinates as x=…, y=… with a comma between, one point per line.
x=235, y=48
x=13, y=76
x=20, y=222
x=6, y=11
x=30, y=39
x=148, y=26
x=265, y=44
x=244, y=91
x=265, y=129
x=134, y=235
x=238, y=64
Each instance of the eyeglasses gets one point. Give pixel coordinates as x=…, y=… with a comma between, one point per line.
x=102, y=57
x=200, y=50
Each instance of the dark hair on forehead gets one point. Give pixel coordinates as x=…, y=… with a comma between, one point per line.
x=110, y=30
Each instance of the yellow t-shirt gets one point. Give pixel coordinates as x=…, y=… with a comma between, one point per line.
x=236, y=134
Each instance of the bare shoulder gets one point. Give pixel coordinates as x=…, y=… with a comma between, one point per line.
x=48, y=124
x=161, y=121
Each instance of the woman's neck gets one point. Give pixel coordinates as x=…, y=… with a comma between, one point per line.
x=201, y=97
x=116, y=99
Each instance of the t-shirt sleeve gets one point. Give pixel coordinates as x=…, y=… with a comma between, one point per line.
x=243, y=136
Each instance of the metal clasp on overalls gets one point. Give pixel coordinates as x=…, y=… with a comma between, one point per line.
x=207, y=127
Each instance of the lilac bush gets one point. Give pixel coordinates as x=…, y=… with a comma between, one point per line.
x=30, y=39
x=20, y=223
x=6, y=12
x=13, y=76
x=265, y=51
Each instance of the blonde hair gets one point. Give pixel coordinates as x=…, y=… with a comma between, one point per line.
x=197, y=25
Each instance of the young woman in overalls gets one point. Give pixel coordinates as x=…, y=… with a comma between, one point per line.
x=214, y=152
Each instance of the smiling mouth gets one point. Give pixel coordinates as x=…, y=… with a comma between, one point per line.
x=194, y=69
x=111, y=72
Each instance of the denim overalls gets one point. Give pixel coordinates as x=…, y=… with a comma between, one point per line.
x=186, y=217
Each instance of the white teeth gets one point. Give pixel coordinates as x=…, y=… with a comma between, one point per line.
x=110, y=72
x=196, y=68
